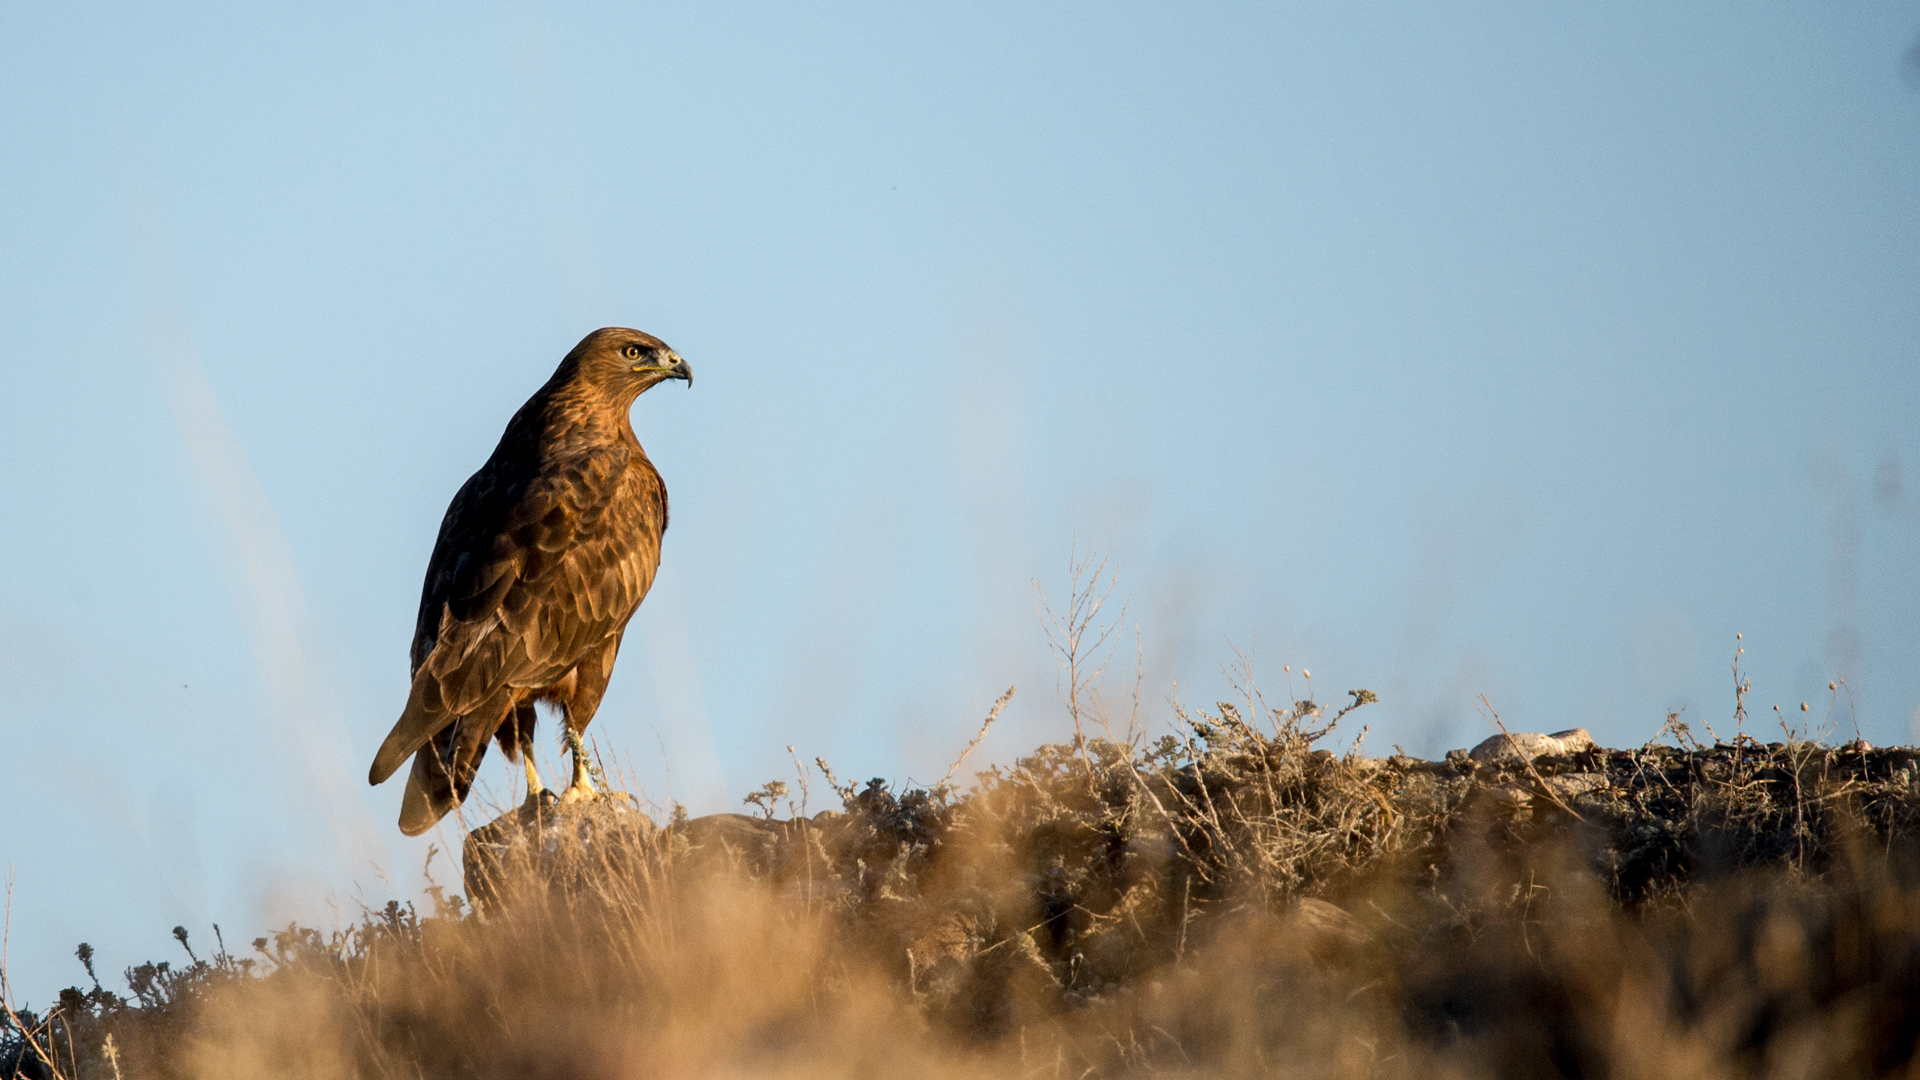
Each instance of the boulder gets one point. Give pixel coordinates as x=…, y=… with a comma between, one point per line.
x=565, y=846
x=1521, y=746
x=1571, y=786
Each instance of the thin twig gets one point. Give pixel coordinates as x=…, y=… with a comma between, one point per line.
x=1538, y=780
x=992, y=715
x=32, y=1046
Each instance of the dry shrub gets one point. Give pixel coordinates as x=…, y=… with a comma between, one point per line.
x=1229, y=901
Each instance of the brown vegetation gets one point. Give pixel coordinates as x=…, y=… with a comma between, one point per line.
x=1229, y=900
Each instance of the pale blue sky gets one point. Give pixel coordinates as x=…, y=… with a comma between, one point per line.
x=1527, y=350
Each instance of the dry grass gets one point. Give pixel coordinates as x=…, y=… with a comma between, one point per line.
x=1231, y=901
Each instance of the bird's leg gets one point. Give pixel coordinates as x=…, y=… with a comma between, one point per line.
x=535, y=788
x=582, y=787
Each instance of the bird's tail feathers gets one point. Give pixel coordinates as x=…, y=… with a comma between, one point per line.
x=424, y=717
x=430, y=789
x=443, y=772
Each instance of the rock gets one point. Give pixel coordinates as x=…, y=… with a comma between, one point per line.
x=1570, y=786
x=780, y=847
x=1512, y=796
x=724, y=843
x=1526, y=745
x=738, y=832
x=564, y=846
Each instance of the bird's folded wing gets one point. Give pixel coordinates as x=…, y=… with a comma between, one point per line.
x=526, y=577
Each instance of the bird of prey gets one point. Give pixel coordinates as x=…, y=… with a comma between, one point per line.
x=543, y=556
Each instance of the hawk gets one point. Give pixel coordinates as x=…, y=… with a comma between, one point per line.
x=543, y=556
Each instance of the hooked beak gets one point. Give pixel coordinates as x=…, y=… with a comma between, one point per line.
x=675, y=368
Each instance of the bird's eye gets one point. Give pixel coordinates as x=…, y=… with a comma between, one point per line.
x=632, y=351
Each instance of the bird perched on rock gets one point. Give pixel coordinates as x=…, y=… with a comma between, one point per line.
x=543, y=556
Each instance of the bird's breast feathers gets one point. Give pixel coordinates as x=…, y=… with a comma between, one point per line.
x=567, y=562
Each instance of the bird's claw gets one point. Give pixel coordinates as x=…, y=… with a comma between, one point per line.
x=581, y=789
x=579, y=792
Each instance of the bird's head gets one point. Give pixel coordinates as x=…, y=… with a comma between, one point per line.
x=626, y=362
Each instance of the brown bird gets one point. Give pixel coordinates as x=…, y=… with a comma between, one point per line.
x=543, y=556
